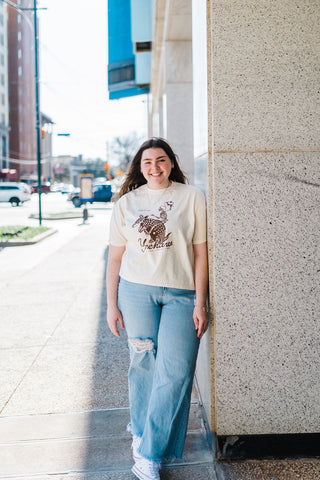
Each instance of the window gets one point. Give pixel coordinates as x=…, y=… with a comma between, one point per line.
x=4, y=148
x=19, y=36
x=19, y=53
x=9, y=187
x=122, y=74
x=2, y=39
x=20, y=71
x=19, y=18
x=2, y=59
x=143, y=46
x=3, y=100
x=2, y=79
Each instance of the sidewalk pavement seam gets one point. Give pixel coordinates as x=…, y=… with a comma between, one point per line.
x=105, y=471
x=75, y=412
x=80, y=437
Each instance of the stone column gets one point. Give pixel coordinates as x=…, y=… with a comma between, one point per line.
x=265, y=125
x=178, y=93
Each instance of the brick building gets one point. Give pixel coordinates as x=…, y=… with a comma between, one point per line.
x=22, y=119
x=4, y=103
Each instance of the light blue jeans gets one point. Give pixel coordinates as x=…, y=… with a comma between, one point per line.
x=163, y=348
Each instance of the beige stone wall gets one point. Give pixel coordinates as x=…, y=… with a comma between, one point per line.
x=264, y=174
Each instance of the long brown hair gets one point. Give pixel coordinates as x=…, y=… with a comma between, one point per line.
x=134, y=177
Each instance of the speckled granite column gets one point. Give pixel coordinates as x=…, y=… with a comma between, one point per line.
x=265, y=164
x=178, y=101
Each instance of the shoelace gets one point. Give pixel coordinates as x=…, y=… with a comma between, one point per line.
x=153, y=468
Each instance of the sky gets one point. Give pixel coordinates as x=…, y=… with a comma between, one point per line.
x=73, y=80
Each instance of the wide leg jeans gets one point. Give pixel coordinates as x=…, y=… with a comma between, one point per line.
x=163, y=348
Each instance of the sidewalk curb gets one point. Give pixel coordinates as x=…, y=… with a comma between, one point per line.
x=55, y=216
x=36, y=239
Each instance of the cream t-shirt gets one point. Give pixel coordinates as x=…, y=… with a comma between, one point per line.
x=158, y=229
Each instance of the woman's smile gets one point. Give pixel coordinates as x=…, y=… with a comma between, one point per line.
x=156, y=167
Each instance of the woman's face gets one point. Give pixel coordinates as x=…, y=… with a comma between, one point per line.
x=156, y=167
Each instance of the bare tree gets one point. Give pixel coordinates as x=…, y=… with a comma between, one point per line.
x=122, y=149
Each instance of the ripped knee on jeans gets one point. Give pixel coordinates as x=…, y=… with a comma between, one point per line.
x=141, y=345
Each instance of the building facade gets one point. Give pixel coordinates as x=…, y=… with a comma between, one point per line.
x=129, y=47
x=22, y=116
x=235, y=90
x=4, y=92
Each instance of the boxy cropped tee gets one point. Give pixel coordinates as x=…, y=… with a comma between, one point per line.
x=158, y=229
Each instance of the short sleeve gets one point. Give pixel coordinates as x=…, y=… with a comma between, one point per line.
x=200, y=213
x=117, y=237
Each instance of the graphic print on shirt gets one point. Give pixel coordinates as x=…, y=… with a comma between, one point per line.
x=154, y=229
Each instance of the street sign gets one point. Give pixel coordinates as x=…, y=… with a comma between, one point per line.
x=86, y=186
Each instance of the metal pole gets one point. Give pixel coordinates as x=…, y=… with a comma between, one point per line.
x=21, y=9
x=37, y=104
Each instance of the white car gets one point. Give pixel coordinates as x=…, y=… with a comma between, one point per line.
x=14, y=192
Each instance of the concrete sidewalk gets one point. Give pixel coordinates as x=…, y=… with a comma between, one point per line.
x=63, y=375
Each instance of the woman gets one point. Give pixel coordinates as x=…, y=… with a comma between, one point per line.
x=157, y=280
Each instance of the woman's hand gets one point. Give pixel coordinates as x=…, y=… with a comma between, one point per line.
x=113, y=318
x=200, y=312
x=201, y=319
x=113, y=313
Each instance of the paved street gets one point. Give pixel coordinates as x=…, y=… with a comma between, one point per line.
x=51, y=202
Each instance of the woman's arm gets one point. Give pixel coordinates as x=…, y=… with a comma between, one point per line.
x=200, y=312
x=113, y=314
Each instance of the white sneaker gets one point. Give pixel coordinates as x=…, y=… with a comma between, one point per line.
x=146, y=470
x=134, y=447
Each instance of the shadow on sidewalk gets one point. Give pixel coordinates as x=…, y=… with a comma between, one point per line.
x=109, y=395
x=109, y=383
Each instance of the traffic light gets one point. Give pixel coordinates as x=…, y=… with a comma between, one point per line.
x=43, y=133
x=107, y=169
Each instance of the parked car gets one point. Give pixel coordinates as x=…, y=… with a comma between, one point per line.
x=101, y=193
x=75, y=191
x=14, y=192
x=67, y=188
x=45, y=188
x=56, y=187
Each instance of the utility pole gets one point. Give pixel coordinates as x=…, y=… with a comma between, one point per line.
x=36, y=68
